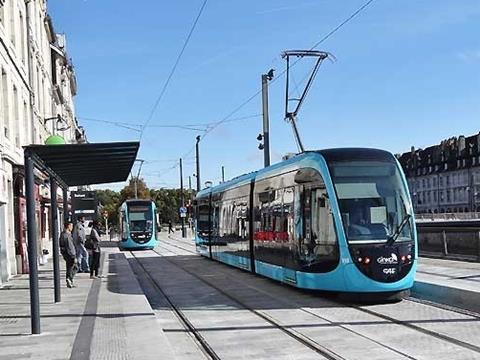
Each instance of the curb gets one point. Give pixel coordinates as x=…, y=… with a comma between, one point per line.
x=464, y=299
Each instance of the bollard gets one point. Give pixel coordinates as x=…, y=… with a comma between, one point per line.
x=445, y=246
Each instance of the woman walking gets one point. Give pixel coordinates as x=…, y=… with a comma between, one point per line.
x=94, y=250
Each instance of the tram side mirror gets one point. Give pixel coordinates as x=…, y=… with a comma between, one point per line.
x=307, y=175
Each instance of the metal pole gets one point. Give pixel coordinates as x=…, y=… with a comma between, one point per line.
x=198, y=163
x=65, y=206
x=138, y=175
x=190, y=201
x=182, y=201
x=32, y=244
x=55, y=240
x=223, y=173
x=266, y=130
x=30, y=72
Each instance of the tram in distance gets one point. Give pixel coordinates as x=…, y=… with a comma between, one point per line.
x=338, y=220
x=138, y=224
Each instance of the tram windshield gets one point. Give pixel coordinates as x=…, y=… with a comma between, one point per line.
x=140, y=218
x=373, y=201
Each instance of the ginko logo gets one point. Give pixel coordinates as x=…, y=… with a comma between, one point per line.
x=388, y=260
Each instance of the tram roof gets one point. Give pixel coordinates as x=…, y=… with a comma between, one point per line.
x=85, y=164
x=333, y=154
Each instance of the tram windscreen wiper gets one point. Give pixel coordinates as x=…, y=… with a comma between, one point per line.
x=391, y=238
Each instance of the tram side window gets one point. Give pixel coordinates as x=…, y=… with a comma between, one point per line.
x=314, y=226
x=123, y=222
x=203, y=216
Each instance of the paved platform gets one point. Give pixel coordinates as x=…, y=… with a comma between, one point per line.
x=106, y=318
x=455, y=283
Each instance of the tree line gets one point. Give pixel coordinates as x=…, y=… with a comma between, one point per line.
x=167, y=200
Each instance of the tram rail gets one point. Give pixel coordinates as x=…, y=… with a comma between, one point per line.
x=202, y=344
x=393, y=320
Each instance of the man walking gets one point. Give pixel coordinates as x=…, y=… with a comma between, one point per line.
x=79, y=238
x=170, y=227
x=69, y=253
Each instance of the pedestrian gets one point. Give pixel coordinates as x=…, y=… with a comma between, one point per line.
x=79, y=238
x=170, y=227
x=69, y=253
x=93, y=245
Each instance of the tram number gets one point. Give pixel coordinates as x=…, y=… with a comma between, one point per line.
x=345, y=261
x=389, y=271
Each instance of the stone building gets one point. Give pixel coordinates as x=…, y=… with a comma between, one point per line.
x=37, y=86
x=445, y=178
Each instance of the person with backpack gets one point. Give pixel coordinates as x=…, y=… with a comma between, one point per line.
x=79, y=238
x=93, y=246
x=69, y=253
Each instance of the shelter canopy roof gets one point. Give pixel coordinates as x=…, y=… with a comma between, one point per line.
x=86, y=164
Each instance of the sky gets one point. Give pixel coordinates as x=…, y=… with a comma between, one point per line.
x=403, y=73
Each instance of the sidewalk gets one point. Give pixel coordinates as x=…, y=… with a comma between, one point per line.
x=106, y=318
x=455, y=283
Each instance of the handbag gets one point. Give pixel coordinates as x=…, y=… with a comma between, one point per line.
x=89, y=243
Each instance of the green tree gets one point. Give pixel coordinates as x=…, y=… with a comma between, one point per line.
x=128, y=192
x=110, y=201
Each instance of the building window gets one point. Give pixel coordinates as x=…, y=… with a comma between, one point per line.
x=25, y=122
x=2, y=15
x=6, y=117
x=22, y=37
x=435, y=196
x=448, y=180
x=434, y=182
x=16, y=118
x=12, y=23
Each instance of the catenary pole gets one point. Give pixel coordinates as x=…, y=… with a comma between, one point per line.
x=266, y=127
x=198, y=162
x=55, y=240
x=223, y=174
x=32, y=244
x=182, y=200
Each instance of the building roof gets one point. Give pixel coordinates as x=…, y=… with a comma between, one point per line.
x=85, y=164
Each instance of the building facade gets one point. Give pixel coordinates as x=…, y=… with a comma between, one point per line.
x=445, y=178
x=37, y=87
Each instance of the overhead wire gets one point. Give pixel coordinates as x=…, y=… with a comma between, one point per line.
x=277, y=77
x=172, y=71
x=324, y=38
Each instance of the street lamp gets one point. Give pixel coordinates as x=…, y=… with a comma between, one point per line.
x=59, y=120
x=138, y=175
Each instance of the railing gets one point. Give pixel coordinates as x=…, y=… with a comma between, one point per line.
x=450, y=242
x=447, y=216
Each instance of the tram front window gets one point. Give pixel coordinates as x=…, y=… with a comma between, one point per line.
x=373, y=200
x=140, y=218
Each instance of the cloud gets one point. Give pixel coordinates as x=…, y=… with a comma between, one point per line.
x=471, y=56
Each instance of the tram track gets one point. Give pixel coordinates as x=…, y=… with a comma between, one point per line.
x=200, y=341
x=305, y=311
x=410, y=298
x=390, y=319
x=301, y=338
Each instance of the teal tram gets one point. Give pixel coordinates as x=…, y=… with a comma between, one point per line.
x=337, y=220
x=138, y=224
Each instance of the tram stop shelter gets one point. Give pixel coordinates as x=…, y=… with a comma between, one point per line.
x=67, y=165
